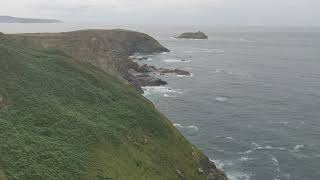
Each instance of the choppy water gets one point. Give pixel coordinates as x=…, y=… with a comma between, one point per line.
x=253, y=102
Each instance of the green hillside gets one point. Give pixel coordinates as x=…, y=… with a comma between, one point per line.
x=64, y=119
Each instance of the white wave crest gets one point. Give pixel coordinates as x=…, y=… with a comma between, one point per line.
x=161, y=90
x=275, y=162
x=298, y=147
x=231, y=174
x=205, y=51
x=175, y=61
x=246, y=152
x=245, y=158
x=238, y=175
x=268, y=147
x=221, y=99
x=179, y=126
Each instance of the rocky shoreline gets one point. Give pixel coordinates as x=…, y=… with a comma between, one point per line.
x=144, y=75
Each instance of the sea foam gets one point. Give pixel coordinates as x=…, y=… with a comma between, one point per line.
x=161, y=90
x=175, y=61
x=221, y=99
x=192, y=127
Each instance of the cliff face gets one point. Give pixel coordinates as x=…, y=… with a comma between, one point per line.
x=61, y=118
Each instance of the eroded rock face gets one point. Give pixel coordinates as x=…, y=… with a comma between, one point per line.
x=193, y=35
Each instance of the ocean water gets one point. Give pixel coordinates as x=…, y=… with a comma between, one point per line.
x=252, y=103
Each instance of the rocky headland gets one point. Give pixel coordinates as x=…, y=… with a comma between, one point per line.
x=62, y=110
x=192, y=35
x=109, y=50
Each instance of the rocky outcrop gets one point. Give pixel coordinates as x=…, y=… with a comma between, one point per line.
x=138, y=80
x=193, y=35
x=176, y=71
x=210, y=170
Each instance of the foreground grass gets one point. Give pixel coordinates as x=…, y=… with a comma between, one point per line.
x=61, y=119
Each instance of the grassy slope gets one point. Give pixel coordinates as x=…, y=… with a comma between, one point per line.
x=60, y=119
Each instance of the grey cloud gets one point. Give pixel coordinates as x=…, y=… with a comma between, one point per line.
x=206, y=12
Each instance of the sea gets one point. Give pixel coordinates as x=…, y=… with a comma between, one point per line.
x=252, y=103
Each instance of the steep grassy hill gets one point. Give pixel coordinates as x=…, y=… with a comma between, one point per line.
x=65, y=119
x=106, y=49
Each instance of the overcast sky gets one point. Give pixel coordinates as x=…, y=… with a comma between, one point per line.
x=183, y=12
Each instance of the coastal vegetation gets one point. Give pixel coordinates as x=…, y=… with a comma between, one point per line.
x=65, y=118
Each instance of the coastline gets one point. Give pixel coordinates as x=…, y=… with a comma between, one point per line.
x=104, y=52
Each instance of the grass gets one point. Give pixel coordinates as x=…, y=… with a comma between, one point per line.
x=62, y=119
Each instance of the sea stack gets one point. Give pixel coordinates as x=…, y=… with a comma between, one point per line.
x=193, y=35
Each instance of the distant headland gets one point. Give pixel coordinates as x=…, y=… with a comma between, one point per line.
x=10, y=19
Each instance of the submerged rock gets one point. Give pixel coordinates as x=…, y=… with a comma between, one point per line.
x=182, y=72
x=176, y=71
x=193, y=35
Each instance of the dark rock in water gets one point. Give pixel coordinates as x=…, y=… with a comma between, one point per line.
x=182, y=72
x=176, y=71
x=140, y=58
x=193, y=35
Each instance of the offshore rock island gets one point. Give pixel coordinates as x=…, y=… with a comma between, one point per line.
x=192, y=35
x=70, y=109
